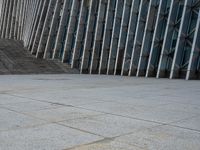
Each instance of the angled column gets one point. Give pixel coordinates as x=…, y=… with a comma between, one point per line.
x=17, y=20
x=71, y=31
x=23, y=18
x=5, y=18
x=107, y=37
x=115, y=36
x=29, y=23
x=183, y=47
x=60, y=38
x=87, y=51
x=46, y=28
x=193, y=71
x=20, y=19
x=142, y=18
x=81, y=32
x=8, y=25
x=130, y=36
x=28, y=13
x=38, y=14
x=148, y=38
x=170, y=39
x=25, y=15
x=53, y=29
x=32, y=22
x=13, y=20
x=40, y=27
x=122, y=36
x=158, y=38
x=3, y=9
x=96, y=50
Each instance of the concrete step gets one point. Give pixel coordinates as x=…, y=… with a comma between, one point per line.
x=15, y=59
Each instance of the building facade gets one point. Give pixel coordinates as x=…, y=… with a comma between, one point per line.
x=144, y=38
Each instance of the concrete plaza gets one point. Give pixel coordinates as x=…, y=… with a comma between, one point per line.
x=84, y=112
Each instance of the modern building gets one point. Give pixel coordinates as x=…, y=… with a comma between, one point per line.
x=147, y=38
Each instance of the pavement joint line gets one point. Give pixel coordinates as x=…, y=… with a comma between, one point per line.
x=114, y=137
x=198, y=131
x=177, y=126
x=27, y=89
x=161, y=123
x=42, y=124
x=18, y=112
x=64, y=120
x=28, y=113
x=195, y=116
x=49, y=122
x=9, y=104
x=100, y=111
x=170, y=125
x=79, y=130
x=122, y=116
x=125, y=116
x=171, y=101
x=88, y=117
x=24, y=128
x=150, y=107
x=12, y=103
x=60, y=123
x=105, y=138
x=24, y=97
x=25, y=115
x=7, y=107
x=46, y=101
x=100, y=101
x=30, y=98
x=87, y=144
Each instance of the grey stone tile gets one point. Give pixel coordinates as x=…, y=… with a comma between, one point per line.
x=115, y=108
x=30, y=106
x=146, y=102
x=109, y=125
x=140, y=112
x=62, y=113
x=163, y=116
x=190, y=123
x=48, y=137
x=186, y=108
x=173, y=102
x=108, y=144
x=7, y=99
x=164, y=138
x=11, y=120
x=66, y=98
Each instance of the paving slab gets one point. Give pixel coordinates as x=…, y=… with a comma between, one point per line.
x=153, y=114
x=7, y=99
x=107, y=144
x=109, y=125
x=10, y=120
x=191, y=123
x=92, y=112
x=30, y=106
x=62, y=114
x=164, y=138
x=46, y=137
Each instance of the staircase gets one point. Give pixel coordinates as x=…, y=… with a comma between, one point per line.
x=15, y=59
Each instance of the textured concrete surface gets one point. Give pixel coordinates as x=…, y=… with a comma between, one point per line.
x=83, y=112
